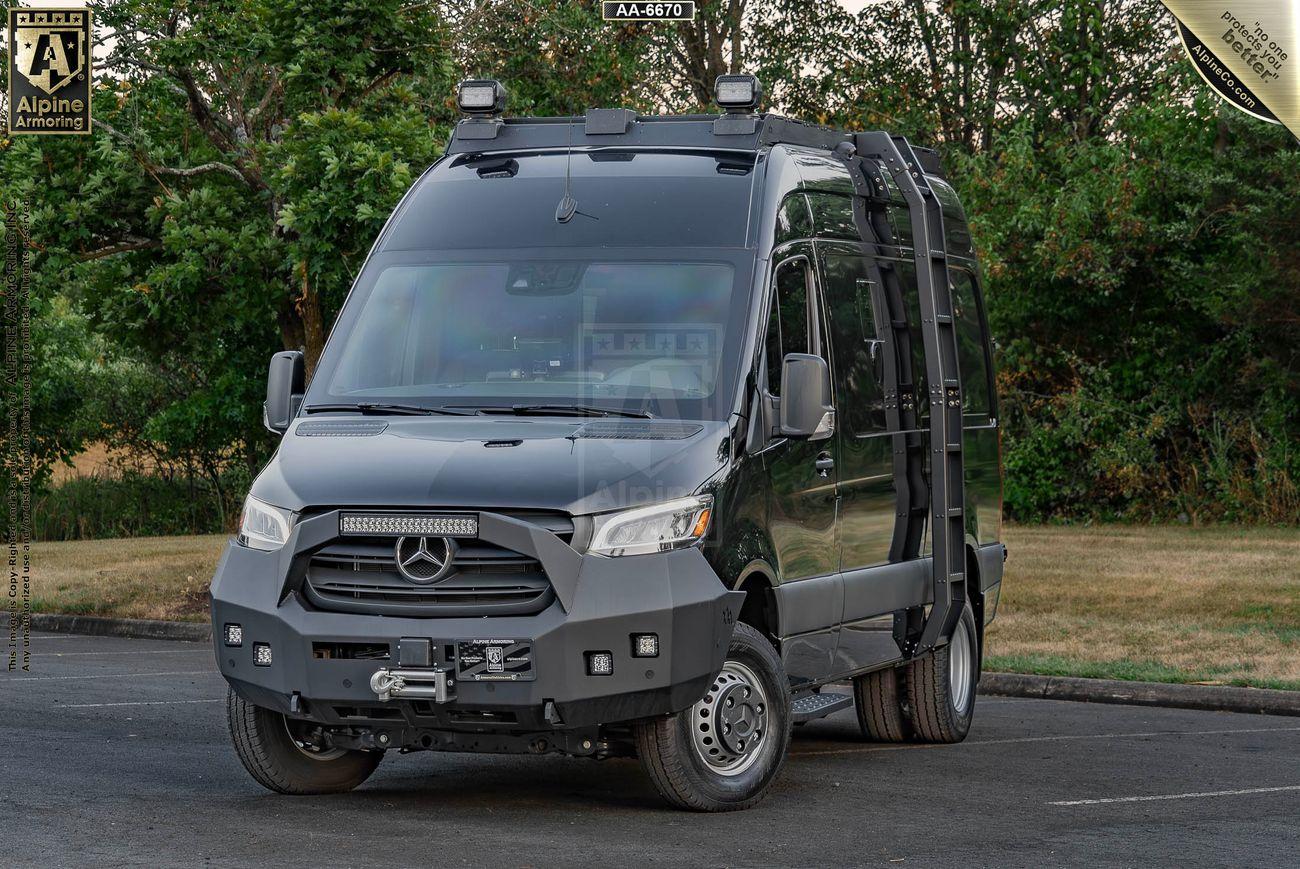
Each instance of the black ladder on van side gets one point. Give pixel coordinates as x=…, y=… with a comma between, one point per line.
x=911, y=494
x=939, y=336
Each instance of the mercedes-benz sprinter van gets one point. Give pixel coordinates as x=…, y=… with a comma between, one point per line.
x=636, y=435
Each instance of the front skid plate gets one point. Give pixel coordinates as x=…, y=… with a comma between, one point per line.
x=581, y=742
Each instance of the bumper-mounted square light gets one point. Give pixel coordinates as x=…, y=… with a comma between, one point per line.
x=262, y=654
x=738, y=93
x=234, y=635
x=600, y=663
x=645, y=645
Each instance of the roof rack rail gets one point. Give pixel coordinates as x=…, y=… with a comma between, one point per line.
x=600, y=128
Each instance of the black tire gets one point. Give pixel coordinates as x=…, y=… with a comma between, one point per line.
x=271, y=756
x=931, y=711
x=674, y=760
x=878, y=699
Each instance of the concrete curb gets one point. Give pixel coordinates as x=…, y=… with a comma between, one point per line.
x=1218, y=698
x=146, y=629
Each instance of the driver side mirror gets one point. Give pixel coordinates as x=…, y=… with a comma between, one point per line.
x=285, y=379
x=806, y=409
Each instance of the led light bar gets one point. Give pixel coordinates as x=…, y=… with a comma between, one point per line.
x=408, y=525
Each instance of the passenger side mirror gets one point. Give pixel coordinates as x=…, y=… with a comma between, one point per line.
x=285, y=379
x=806, y=409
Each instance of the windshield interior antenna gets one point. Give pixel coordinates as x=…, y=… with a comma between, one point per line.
x=568, y=205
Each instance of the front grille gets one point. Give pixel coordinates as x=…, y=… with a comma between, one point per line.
x=359, y=574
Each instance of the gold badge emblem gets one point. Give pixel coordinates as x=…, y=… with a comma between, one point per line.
x=49, y=70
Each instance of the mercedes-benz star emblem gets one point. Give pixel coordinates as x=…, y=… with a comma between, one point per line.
x=423, y=560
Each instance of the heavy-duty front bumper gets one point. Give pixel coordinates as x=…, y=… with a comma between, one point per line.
x=600, y=604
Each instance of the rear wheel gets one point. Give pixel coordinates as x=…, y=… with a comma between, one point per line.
x=878, y=698
x=941, y=685
x=724, y=752
x=282, y=755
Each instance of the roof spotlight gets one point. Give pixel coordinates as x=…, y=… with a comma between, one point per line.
x=481, y=97
x=738, y=93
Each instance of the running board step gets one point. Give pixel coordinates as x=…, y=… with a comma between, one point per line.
x=810, y=707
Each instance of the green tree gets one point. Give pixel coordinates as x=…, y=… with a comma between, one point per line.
x=244, y=158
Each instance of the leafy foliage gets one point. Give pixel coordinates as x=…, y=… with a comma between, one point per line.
x=1139, y=240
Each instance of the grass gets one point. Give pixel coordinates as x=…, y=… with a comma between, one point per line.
x=1216, y=604
x=1164, y=604
x=138, y=577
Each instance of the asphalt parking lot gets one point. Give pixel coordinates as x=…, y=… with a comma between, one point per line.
x=115, y=753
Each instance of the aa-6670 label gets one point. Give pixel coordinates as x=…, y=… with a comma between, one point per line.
x=651, y=11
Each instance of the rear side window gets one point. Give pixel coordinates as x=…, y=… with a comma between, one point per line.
x=972, y=344
x=833, y=215
x=847, y=290
x=787, y=324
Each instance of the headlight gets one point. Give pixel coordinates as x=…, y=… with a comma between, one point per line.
x=263, y=526
x=658, y=528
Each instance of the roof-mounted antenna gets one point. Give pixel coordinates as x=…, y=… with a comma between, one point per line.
x=568, y=205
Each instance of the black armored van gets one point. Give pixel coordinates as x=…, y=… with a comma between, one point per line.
x=635, y=436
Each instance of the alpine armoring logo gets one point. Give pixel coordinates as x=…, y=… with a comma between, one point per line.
x=49, y=71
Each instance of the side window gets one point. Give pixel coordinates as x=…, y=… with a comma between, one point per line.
x=793, y=221
x=833, y=215
x=787, y=323
x=971, y=346
x=858, y=348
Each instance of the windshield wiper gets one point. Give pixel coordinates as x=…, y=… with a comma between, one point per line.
x=367, y=407
x=560, y=410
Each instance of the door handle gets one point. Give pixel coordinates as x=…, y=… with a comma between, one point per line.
x=824, y=464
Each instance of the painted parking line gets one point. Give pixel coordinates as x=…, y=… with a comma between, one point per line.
x=205, y=650
x=212, y=672
x=1190, y=796
x=1065, y=738
x=133, y=703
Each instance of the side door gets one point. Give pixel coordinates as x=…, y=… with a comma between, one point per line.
x=801, y=487
x=851, y=286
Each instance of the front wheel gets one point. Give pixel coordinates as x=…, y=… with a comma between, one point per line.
x=724, y=752
x=282, y=756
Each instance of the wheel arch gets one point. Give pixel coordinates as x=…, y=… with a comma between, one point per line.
x=975, y=594
x=760, y=609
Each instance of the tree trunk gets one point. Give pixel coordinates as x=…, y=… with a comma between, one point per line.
x=737, y=47
x=308, y=308
x=291, y=332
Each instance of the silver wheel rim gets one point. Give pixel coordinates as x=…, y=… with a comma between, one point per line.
x=729, y=727
x=960, y=666
x=307, y=749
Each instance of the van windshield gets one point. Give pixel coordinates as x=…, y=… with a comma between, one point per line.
x=644, y=336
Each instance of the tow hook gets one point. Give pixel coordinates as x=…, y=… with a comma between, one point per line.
x=432, y=685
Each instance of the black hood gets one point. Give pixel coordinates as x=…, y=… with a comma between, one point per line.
x=573, y=465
